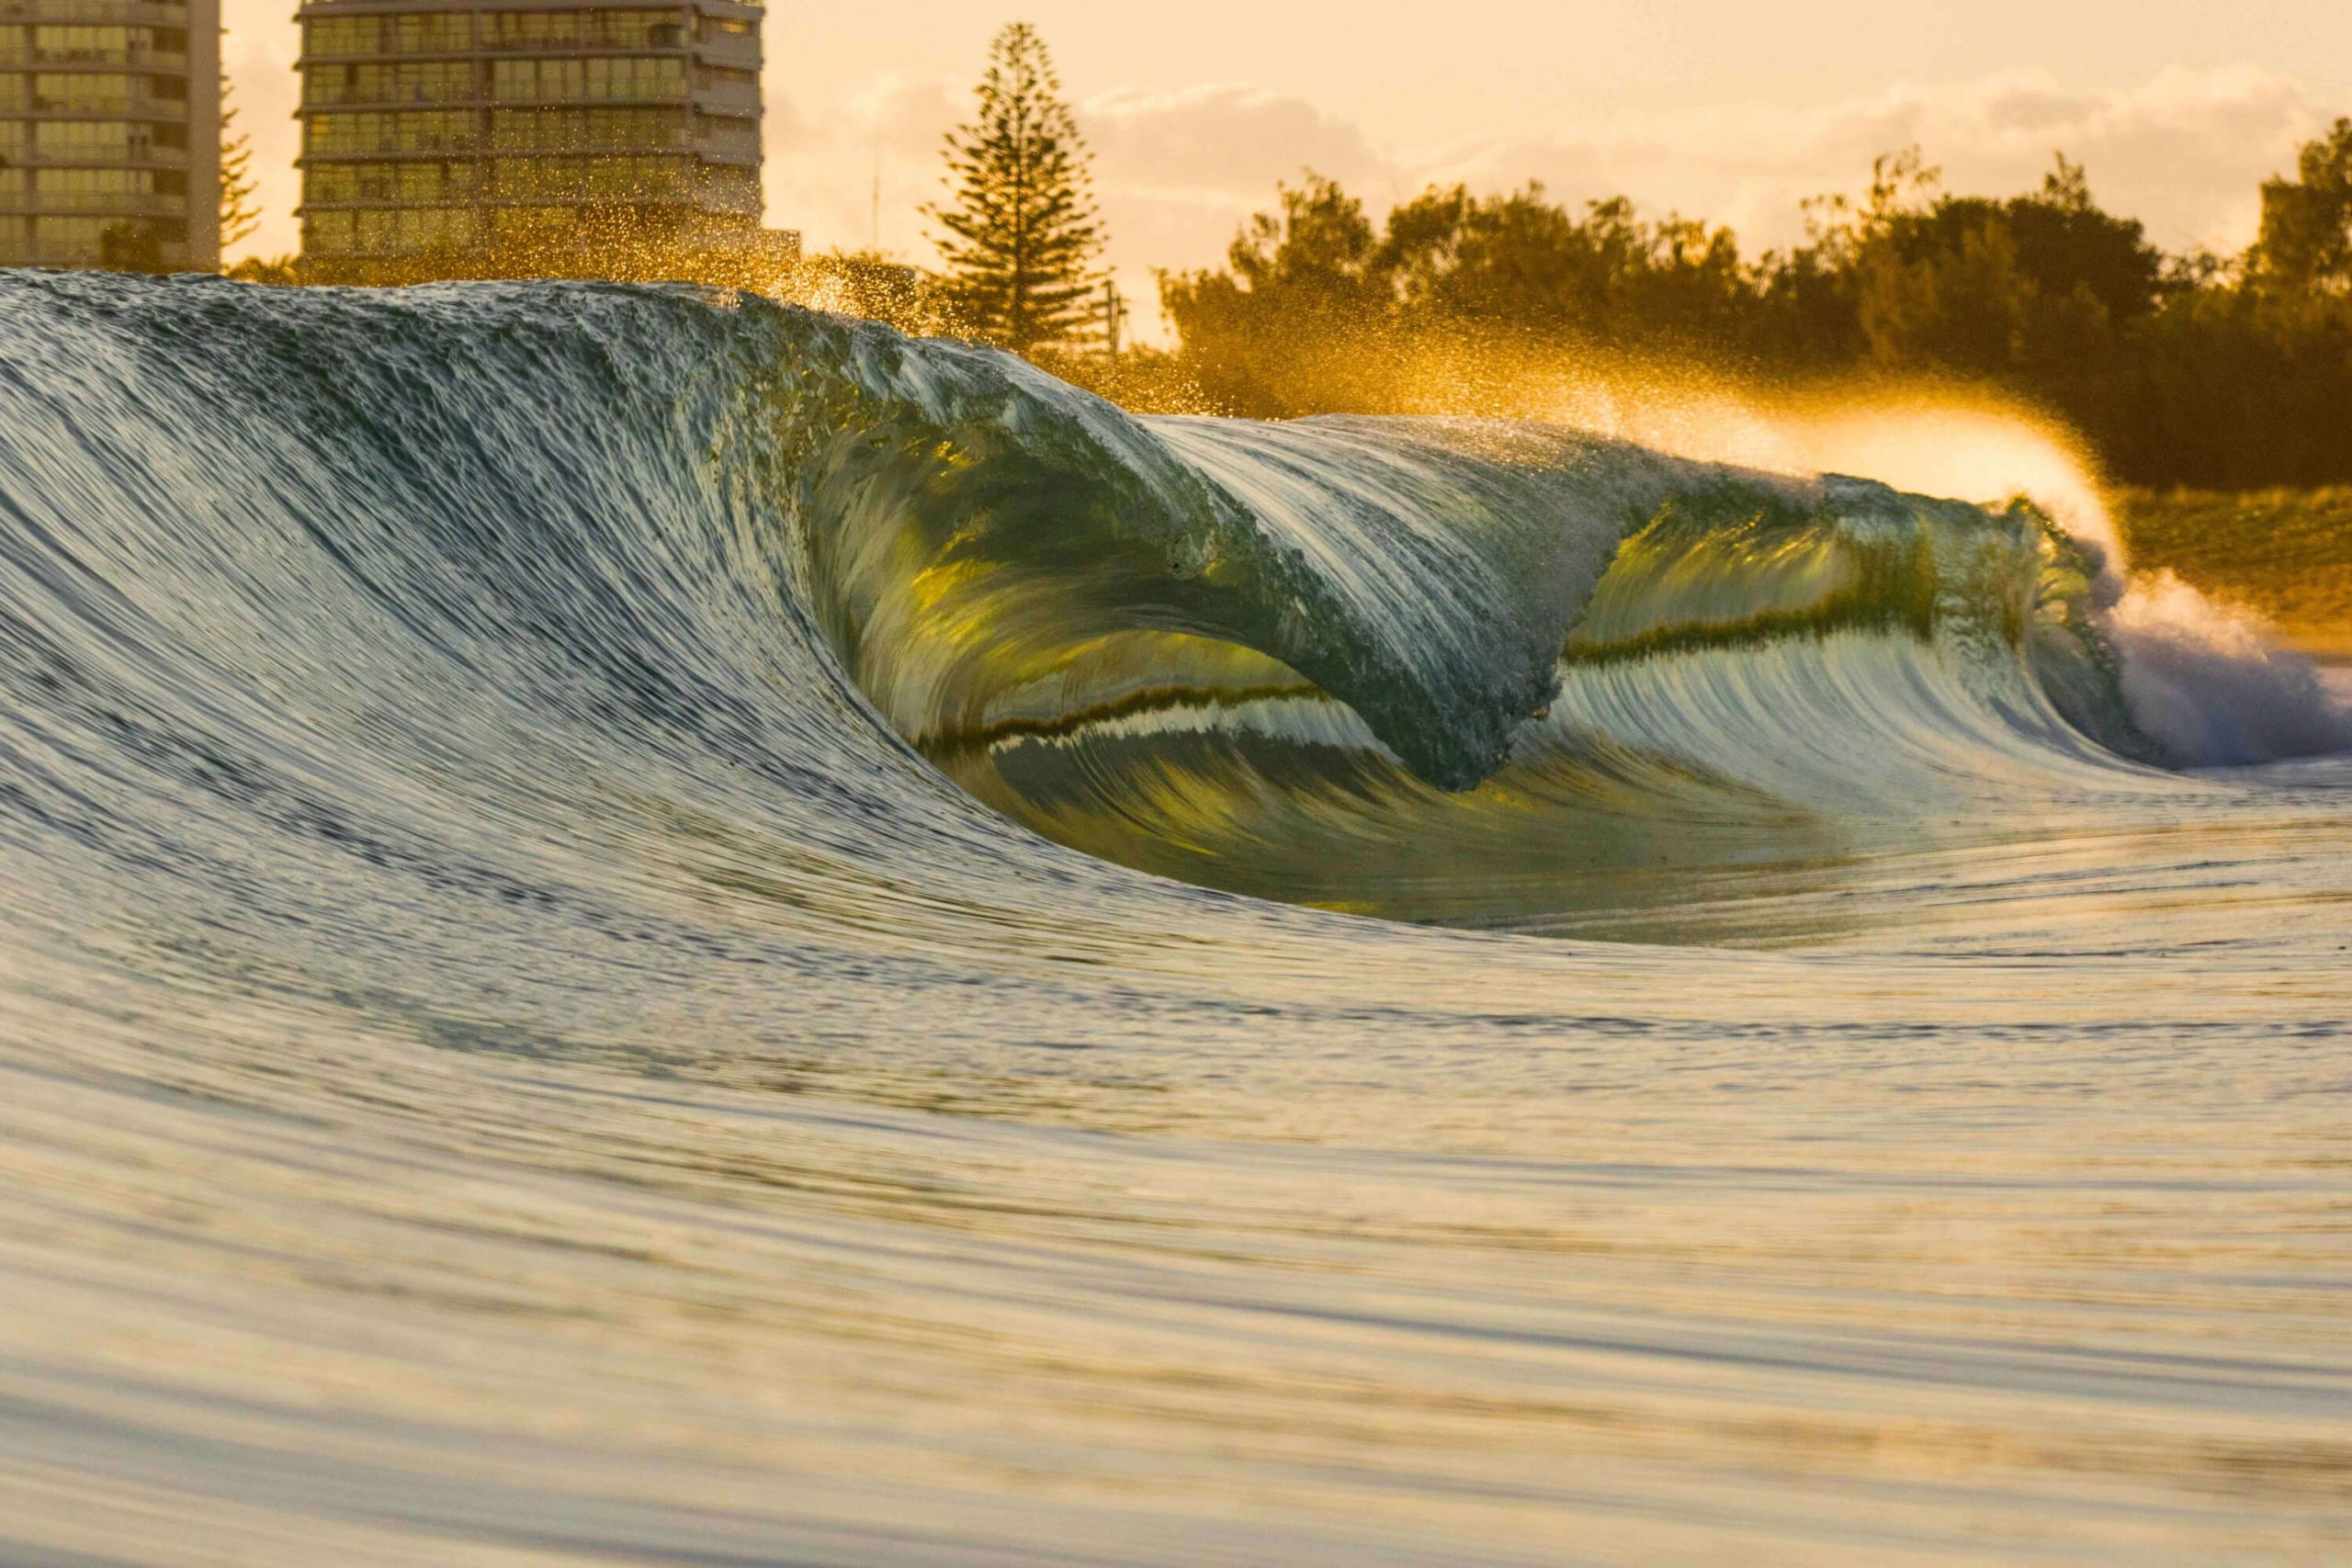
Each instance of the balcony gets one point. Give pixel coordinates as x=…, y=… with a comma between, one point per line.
x=713, y=196
x=138, y=105
x=443, y=148
x=665, y=41
x=32, y=253
x=132, y=13
x=378, y=200
x=93, y=204
x=150, y=62
x=729, y=146
x=419, y=96
x=740, y=51
x=137, y=155
x=729, y=98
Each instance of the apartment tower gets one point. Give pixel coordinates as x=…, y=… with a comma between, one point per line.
x=521, y=127
x=111, y=133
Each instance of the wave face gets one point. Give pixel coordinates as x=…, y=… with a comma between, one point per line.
x=578, y=986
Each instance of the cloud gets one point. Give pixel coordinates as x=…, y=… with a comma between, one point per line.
x=1178, y=171
x=1175, y=173
x=855, y=170
x=259, y=60
x=2185, y=150
x=1221, y=139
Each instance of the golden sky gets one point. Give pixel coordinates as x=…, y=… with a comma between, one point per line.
x=1724, y=109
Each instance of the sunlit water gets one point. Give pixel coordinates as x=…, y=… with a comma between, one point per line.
x=534, y=1026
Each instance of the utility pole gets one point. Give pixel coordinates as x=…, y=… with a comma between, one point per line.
x=1114, y=315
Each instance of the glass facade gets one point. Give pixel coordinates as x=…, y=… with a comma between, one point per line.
x=542, y=119
x=429, y=130
x=422, y=81
x=110, y=133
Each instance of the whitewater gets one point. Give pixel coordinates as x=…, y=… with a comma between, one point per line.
x=646, y=927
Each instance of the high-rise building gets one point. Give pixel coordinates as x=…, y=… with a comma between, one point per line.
x=442, y=127
x=111, y=133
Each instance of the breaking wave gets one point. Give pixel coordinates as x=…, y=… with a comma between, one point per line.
x=1332, y=661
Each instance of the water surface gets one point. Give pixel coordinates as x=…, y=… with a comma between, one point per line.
x=644, y=928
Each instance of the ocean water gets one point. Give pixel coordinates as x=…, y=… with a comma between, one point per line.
x=645, y=928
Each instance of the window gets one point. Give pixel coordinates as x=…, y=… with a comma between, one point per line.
x=340, y=35
x=346, y=132
x=540, y=225
x=90, y=45
x=441, y=82
x=92, y=185
x=435, y=182
x=89, y=139
x=60, y=90
x=437, y=33
x=388, y=233
x=67, y=190
x=433, y=228
x=532, y=29
x=721, y=134
x=738, y=189
x=616, y=178
x=431, y=83
x=513, y=128
x=430, y=130
x=446, y=130
x=512, y=81
x=635, y=29
x=326, y=234
x=586, y=128
x=80, y=232
x=340, y=182
x=523, y=81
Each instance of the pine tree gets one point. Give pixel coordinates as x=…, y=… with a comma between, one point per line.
x=1022, y=229
x=239, y=214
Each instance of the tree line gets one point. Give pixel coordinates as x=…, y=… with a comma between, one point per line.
x=2196, y=369
x=2214, y=371
x=2222, y=372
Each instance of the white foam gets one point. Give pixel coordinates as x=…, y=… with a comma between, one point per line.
x=2213, y=684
